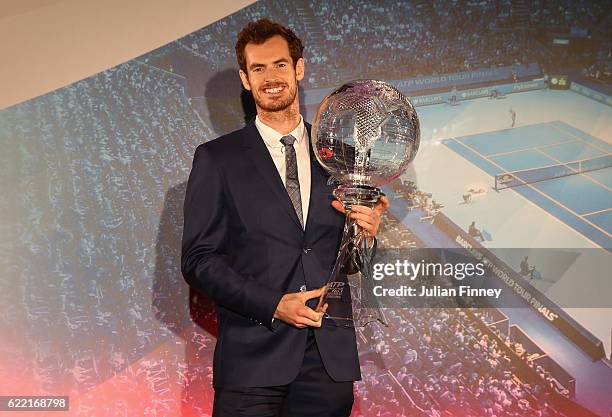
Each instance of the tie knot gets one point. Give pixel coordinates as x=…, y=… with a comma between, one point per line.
x=287, y=140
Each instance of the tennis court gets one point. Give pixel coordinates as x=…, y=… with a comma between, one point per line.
x=523, y=160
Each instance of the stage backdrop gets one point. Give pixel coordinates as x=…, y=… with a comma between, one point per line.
x=93, y=176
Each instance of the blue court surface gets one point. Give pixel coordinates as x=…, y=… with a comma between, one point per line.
x=583, y=201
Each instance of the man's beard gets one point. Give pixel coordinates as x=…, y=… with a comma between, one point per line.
x=278, y=104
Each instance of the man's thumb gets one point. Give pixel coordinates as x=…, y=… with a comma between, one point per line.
x=307, y=295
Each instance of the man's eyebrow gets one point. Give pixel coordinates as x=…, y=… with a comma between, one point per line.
x=257, y=65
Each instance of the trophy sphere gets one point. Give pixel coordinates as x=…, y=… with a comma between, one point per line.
x=365, y=133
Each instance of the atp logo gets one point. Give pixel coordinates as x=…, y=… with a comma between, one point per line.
x=335, y=290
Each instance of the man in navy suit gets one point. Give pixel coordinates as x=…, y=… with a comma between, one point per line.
x=260, y=237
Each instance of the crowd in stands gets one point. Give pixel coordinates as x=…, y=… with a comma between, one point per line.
x=601, y=69
x=402, y=39
x=437, y=362
x=568, y=16
x=89, y=168
x=433, y=362
x=395, y=235
x=529, y=357
x=408, y=191
x=406, y=39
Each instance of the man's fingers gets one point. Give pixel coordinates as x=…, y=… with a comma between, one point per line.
x=361, y=209
x=338, y=206
x=366, y=222
x=303, y=316
x=368, y=227
x=308, y=295
x=368, y=217
x=382, y=205
x=303, y=322
x=309, y=313
x=308, y=317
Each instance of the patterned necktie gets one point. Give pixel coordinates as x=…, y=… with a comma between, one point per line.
x=292, y=183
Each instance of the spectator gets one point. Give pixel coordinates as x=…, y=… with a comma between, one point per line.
x=475, y=232
x=527, y=269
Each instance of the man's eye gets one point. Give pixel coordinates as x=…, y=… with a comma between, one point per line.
x=282, y=65
x=259, y=69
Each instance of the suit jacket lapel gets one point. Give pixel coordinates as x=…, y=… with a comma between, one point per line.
x=317, y=180
x=259, y=154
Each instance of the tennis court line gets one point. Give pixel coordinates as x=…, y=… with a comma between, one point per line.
x=598, y=211
x=605, y=151
x=529, y=149
x=543, y=195
x=604, y=186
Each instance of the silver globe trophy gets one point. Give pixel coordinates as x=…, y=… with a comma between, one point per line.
x=364, y=134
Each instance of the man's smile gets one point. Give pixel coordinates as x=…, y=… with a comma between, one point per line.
x=276, y=90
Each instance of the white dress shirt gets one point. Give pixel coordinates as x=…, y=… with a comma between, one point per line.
x=302, y=152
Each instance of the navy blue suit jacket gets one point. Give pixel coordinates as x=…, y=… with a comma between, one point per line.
x=243, y=245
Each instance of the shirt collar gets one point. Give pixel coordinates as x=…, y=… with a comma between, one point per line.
x=272, y=138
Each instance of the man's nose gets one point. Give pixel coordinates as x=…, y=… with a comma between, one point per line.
x=272, y=73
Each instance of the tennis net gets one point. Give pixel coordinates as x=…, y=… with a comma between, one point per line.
x=529, y=176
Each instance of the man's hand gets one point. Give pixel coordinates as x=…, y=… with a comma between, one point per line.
x=367, y=218
x=292, y=309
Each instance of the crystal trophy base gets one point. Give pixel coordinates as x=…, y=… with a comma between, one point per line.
x=344, y=293
x=362, y=195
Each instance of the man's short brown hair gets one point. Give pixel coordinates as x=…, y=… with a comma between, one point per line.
x=260, y=31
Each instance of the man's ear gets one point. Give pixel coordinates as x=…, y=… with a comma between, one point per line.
x=299, y=69
x=245, y=80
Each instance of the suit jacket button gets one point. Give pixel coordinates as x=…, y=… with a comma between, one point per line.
x=303, y=288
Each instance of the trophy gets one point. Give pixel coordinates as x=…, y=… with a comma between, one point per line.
x=364, y=134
